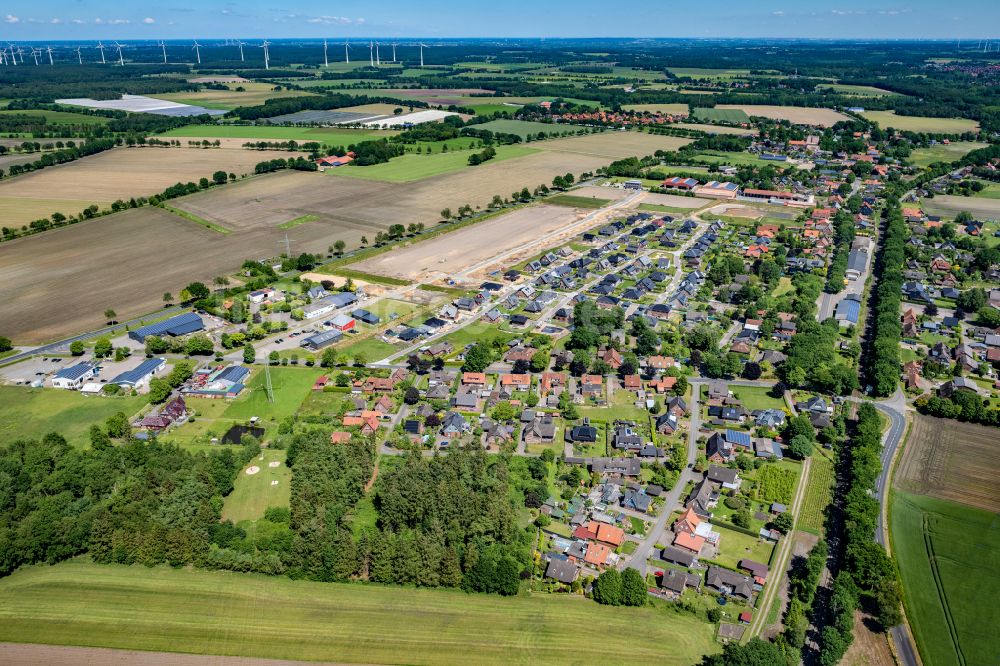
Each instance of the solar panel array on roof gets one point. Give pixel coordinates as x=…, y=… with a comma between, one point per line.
x=140, y=372
x=74, y=372
x=234, y=374
x=739, y=438
x=322, y=339
x=189, y=322
x=849, y=309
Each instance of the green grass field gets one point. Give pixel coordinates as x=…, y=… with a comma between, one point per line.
x=523, y=128
x=222, y=613
x=756, y=397
x=60, y=118
x=921, y=124
x=577, y=202
x=411, y=167
x=948, y=556
x=735, y=546
x=943, y=153
x=29, y=413
x=300, y=220
x=992, y=191
x=721, y=115
x=291, y=386
x=657, y=108
x=708, y=73
x=819, y=493
x=720, y=157
x=330, y=136
x=253, y=493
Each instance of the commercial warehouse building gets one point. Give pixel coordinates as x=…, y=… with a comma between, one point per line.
x=141, y=374
x=329, y=304
x=321, y=340
x=74, y=376
x=182, y=324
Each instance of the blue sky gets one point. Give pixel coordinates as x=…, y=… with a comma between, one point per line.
x=166, y=19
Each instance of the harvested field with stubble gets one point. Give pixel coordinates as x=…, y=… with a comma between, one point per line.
x=613, y=145
x=950, y=205
x=951, y=460
x=793, y=114
x=118, y=174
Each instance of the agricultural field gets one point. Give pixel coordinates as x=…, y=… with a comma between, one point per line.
x=253, y=94
x=948, y=555
x=32, y=412
x=612, y=145
x=793, y=114
x=944, y=152
x=708, y=73
x=950, y=205
x=953, y=461
x=721, y=115
x=260, y=485
x=721, y=129
x=674, y=109
x=181, y=252
x=216, y=613
x=859, y=91
x=331, y=136
x=59, y=118
x=117, y=174
x=523, y=128
x=677, y=201
x=412, y=167
x=922, y=124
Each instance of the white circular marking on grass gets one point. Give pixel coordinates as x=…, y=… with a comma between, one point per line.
x=253, y=469
x=274, y=483
x=274, y=463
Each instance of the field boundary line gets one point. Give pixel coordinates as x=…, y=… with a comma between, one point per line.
x=191, y=217
x=302, y=219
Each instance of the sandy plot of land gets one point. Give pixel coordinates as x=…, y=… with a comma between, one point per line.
x=793, y=114
x=123, y=173
x=949, y=205
x=598, y=192
x=675, y=201
x=951, y=460
x=613, y=145
x=60, y=282
x=459, y=250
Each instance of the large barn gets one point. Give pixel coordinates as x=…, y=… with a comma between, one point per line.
x=189, y=322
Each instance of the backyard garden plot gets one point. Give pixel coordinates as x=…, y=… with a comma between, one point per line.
x=217, y=613
x=117, y=174
x=948, y=557
x=793, y=114
x=951, y=460
x=887, y=119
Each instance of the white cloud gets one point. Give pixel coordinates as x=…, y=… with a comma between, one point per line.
x=77, y=21
x=333, y=20
x=119, y=22
x=148, y=20
x=56, y=21
x=778, y=12
x=10, y=18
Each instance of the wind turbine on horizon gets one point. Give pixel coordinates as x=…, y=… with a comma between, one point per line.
x=326, y=60
x=35, y=53
x=197, y=50
x=13, y=54
x=49, y=50
x=347, y=51
x=121, y=58
x=422, y=47
x=241, y=44
x=163, y=47
x=371, y=52
x=394, y=51
x=79, y=56
x=267, y=58
x=100, y=46
x=378, y=60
